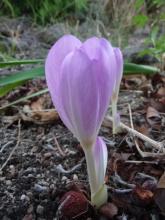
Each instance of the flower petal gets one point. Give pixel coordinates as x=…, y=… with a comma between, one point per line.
x=55, y=57
x=101, y=157
x=85, y=89
x=79, y=94
x=54, y=60
x=119, y=61
x=91, y=47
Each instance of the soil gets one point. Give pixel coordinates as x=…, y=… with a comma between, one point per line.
x=43, y=172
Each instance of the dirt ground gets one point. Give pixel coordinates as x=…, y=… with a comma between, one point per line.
x=42, y=164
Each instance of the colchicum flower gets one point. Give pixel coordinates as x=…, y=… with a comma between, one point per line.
x=119, y=74
x=81, y=78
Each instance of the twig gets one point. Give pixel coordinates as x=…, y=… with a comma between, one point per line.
x=6, y=145
x=118, y=179
x=59, y=168
x=158, y=145
x=58, y=147
x=143, y=154
x=141, y=161
x=18, y=141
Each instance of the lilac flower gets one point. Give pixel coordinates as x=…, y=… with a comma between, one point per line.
x=81, y=78
x=119, y=74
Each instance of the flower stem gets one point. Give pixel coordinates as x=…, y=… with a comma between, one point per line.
x=98, y=192
x=114, y=115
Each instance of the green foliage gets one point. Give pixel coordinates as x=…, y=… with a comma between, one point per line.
x=22, y=76
x=43, y=11
x=10, y=82
x=140, y=20
x=155, y=44
x=19, y=62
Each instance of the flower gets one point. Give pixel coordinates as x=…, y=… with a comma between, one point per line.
x=81, y=78
x=119, y=74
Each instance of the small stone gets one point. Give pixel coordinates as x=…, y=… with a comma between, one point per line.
x=73, y=204
x=2, y=178
x=64, y=178
x=109, y=210
x=30, y=209
x=47, y=155
x=38, y=188
x=52, y=186
x=40, y=209
x=12, y=170
x=75, y=177
x=30, y=195
x=8, y=182
x=23, y=197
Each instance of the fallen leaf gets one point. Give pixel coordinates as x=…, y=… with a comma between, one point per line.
x=160, y=92
x=153, y=116
x=161, y=183
x=145, y=196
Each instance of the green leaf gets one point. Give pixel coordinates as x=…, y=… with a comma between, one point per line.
x=140, y=20
x=19, y=62
x=154, y=34
x=21, y=76
x=130, y=68
x=5, y=89
x=25, y=98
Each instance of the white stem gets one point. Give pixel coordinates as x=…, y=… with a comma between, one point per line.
x=158, y=145
x=91, y=169
x=114, y=114
x=98, y=191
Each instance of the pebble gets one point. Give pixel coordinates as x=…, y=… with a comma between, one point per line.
x=64, y=178
x=40, y=209
x=75, y=177
x=30, y=195
x=8, y=182
x=12, y=170
x=2, y=178
x=30, y=209
x=24, y=198
x=47, y=155
x=39, y=188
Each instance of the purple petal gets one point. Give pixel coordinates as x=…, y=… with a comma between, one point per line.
x=55, y=57
x=119, y=61
x=105, y=70
x=54, y=60
x=81, y=78
x=91, y=47
x=79, y=95
x=101, y=157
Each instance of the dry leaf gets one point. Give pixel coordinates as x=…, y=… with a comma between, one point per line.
x=161, y=183
x=160, y=193
x=153, y=116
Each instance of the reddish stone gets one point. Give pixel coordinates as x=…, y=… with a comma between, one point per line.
x=73, y=204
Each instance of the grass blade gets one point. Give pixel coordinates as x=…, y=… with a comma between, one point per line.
x=25, y=98
x=5, y=89
x=21, y=76
x=19, y=62
x=130, y=68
